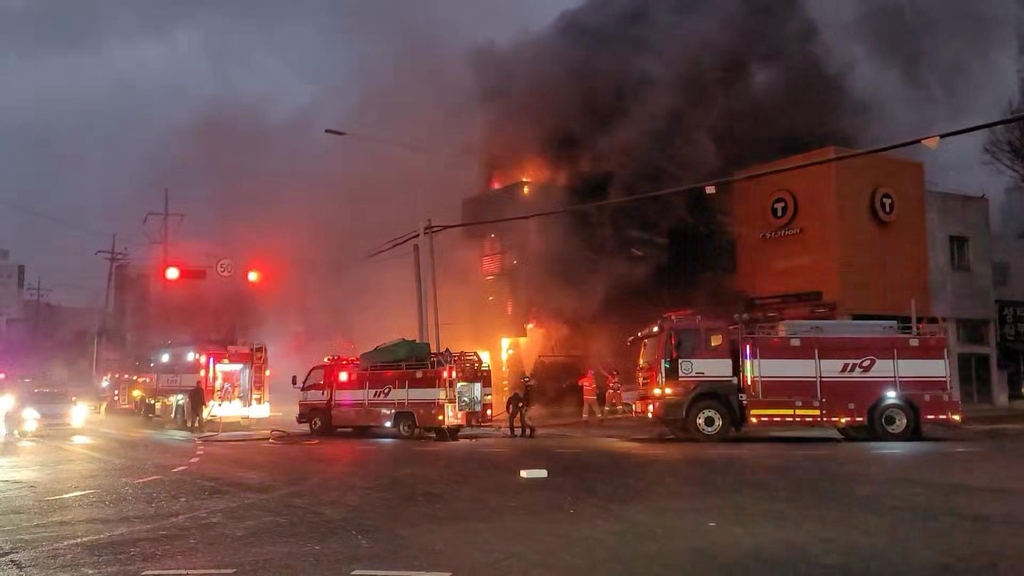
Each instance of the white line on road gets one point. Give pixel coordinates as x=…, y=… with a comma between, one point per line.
x=179, y=468
x=193, y=460
x=148, y=479
x=169, y=572
x=397, y=573
x=968, y=450
x=71, y=494
x=887, y=451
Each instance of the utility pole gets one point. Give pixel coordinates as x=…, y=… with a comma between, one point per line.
x=420, y=319
x=433, y=285
x=165, y=225
x=39, y=291
x=112, y=256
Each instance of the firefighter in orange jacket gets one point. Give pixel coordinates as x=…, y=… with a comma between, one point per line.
x=589, y=386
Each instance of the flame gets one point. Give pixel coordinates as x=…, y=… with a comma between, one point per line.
x=530, y=170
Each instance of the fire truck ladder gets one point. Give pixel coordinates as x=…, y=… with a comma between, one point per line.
x=259, y=373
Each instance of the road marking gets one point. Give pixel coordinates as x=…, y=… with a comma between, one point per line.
x=887, y=451
x=71, y=494
x=533, y=473
x=968, y=450
x=397, y=573
x=179, y=468
x=148, y=479
x=193, y=460
x=169, y=572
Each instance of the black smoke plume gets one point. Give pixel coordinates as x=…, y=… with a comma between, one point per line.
x=621, y=97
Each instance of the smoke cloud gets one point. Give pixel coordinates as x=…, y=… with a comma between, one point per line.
x=619, y=97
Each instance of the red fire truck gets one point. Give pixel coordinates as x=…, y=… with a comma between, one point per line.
x=443, y=394
x=705, y=378
x=235, y=378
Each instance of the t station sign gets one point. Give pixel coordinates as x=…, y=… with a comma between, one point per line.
x=782, y=210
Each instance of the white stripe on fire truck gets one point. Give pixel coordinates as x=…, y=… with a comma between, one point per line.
x=392, y=395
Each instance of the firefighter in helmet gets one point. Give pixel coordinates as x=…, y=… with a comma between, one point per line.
x=526, y=418
x=514, y=408
x=588, y=384
x=614, y=390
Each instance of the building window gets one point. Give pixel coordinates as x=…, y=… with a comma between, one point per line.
x=960, y=253
x=972, y=332
x=1000, y=274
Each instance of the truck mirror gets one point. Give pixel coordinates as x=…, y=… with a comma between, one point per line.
x=295, y=381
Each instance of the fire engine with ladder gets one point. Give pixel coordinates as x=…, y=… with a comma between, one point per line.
x=441, y=394
x=234, y=377
x=705, y=378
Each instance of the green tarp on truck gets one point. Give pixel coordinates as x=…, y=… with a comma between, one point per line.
x=396, y=351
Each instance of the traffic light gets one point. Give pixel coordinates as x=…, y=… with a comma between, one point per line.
x=253, y=276
x=173, y=273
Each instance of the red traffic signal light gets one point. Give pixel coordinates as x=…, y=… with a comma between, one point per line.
x=253, y=276
x=172, y=273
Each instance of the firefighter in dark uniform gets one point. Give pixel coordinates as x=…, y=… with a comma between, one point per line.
x=529, y=389
x=514, y=408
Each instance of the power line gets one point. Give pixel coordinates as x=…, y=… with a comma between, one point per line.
x=931, y=141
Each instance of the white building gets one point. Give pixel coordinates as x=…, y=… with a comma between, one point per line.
x=12, y=289
x=960, y=281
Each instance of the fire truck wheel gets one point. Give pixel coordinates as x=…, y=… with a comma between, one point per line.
x=709, y=421
x=406, y=426
x=893, y=423
x=319, y=423
x=855, y=433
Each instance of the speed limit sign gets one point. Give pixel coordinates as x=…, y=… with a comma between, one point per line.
x=225, y=267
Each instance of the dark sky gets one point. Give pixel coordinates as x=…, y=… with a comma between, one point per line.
x=104, y=103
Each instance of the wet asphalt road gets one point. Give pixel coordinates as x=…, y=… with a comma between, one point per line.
x=125, y=500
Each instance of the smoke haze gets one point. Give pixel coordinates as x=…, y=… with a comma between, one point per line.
x=225, y=103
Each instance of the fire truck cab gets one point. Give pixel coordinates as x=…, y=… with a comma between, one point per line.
x=705, y=378
x=440, y=395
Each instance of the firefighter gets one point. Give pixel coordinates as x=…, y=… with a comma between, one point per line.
x=196, y=401
x=589, y=386
x=613, y=390
x=526, y=418
x=514, y=407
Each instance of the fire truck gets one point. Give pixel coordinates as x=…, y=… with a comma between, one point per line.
x=441, y=394
x=706, y=378
x=234, y=377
